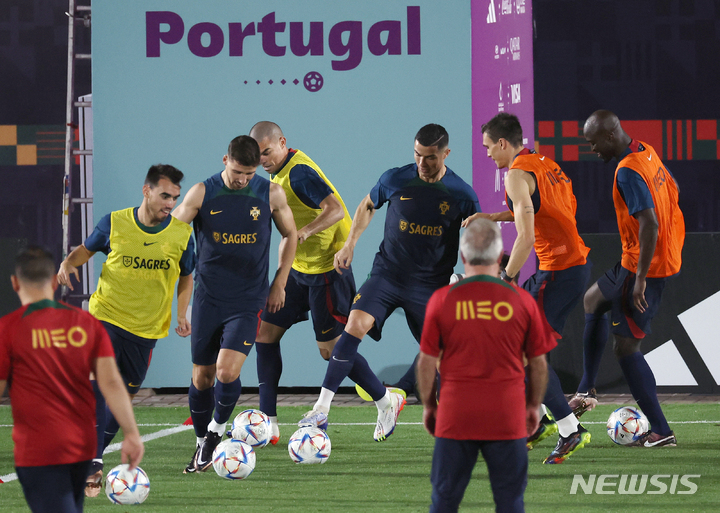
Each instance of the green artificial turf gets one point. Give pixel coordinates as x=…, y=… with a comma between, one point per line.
x=392, y=476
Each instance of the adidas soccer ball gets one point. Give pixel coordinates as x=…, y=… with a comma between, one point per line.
x=124, y=486
x=252, y=427
x=309, y=445
x=626, y=425
x=233, y=459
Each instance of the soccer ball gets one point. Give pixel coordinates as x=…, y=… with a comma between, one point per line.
x=309, y=445
x=252, y=427
x=125, y=486
x=233, y=459
x=626, y=425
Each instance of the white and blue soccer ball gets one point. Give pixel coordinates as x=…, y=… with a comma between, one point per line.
x=626, y=425
x=309, y=445
x=233, y=459
x=252, y=427
x=123, y=486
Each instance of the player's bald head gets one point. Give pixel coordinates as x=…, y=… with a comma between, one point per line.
x=601, y=122
x=266, y=130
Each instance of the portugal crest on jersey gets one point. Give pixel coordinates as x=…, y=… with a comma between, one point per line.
x=255, y=213
x=444, y=207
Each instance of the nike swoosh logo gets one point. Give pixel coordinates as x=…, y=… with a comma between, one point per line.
x=616, y=324
x=650, y=157
x=326, y=331
x=213, y=212
x=338, y=360
x=246, y=343
x=403, y=198
x=542, y=158
x=149, y=243
x=131, y=385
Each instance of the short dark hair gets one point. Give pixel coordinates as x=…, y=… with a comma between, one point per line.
x=244, y=150
x=504, y=125
x=163, y=171
x=433, y=135
x=34, y=264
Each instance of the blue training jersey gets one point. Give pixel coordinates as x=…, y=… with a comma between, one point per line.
x=422, y=225
x=233, y=230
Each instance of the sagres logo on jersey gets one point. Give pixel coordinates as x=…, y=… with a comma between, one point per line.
x=146, y=263
x=255, y=213
x=403, y=225
x=216, y=236
x=444, y=207
x=127, y=261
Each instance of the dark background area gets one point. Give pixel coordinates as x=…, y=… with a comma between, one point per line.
x=645, y=60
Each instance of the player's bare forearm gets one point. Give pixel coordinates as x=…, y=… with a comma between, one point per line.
x=425, y=375
x=525, y=223
x=191, y=204
x=647, y=237
x=495, y=217
x=184, y=293
x=537, y=376
x=363, y=215
x=332, y=212
x=118, y=400
x=77, y=257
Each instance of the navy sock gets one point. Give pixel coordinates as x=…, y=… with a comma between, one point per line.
x=99, y=418
x=554, y=398
x=595, y=338
x=111, y=428
x=226, y=395
x=641, y=381
x=269, y=369
x=341, y=362
x=366, y=378
x=201, y=404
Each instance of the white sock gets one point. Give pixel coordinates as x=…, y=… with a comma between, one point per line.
x=273, y=420
x=324, y=401
x=568, y=425
x=384, y=402
x=199, y=441
x=543, y=410
x=217, y=428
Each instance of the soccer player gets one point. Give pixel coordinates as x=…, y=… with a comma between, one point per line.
x=478, y=330
x=542, y=205
x=427, y=202
x=148, y=251
x=231, y=214
x=47, y=351
x=652, y=231
x=313, y=285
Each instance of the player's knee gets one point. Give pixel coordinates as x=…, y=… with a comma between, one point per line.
x=203, y=377
x=325, y=353
x=625, y=347
x=227, y=375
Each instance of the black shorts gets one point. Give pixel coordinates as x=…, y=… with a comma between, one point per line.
x=132, y=354
x=57, y=488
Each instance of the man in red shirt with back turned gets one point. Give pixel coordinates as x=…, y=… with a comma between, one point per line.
x=47, y=351
x=479, y=330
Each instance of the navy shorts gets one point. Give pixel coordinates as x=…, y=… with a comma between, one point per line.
x=132, y=354
x=216, y=327
x=379, y=297
x=557, y=292
x=57, y=488
x=327, y=296
x=453, y=462
x=617, y=286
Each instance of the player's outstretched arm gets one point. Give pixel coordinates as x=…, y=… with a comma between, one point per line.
x=116, y=396
x=184, y=293
x=77, y=257
x=189, y=208
x=536, y=383
x=285, y=224
x=495, y=217
x=363, y=215
x=426, y=383
x=332, y=212
x=518, y=190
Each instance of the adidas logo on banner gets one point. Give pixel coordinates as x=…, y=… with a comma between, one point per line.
x=491, y=13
